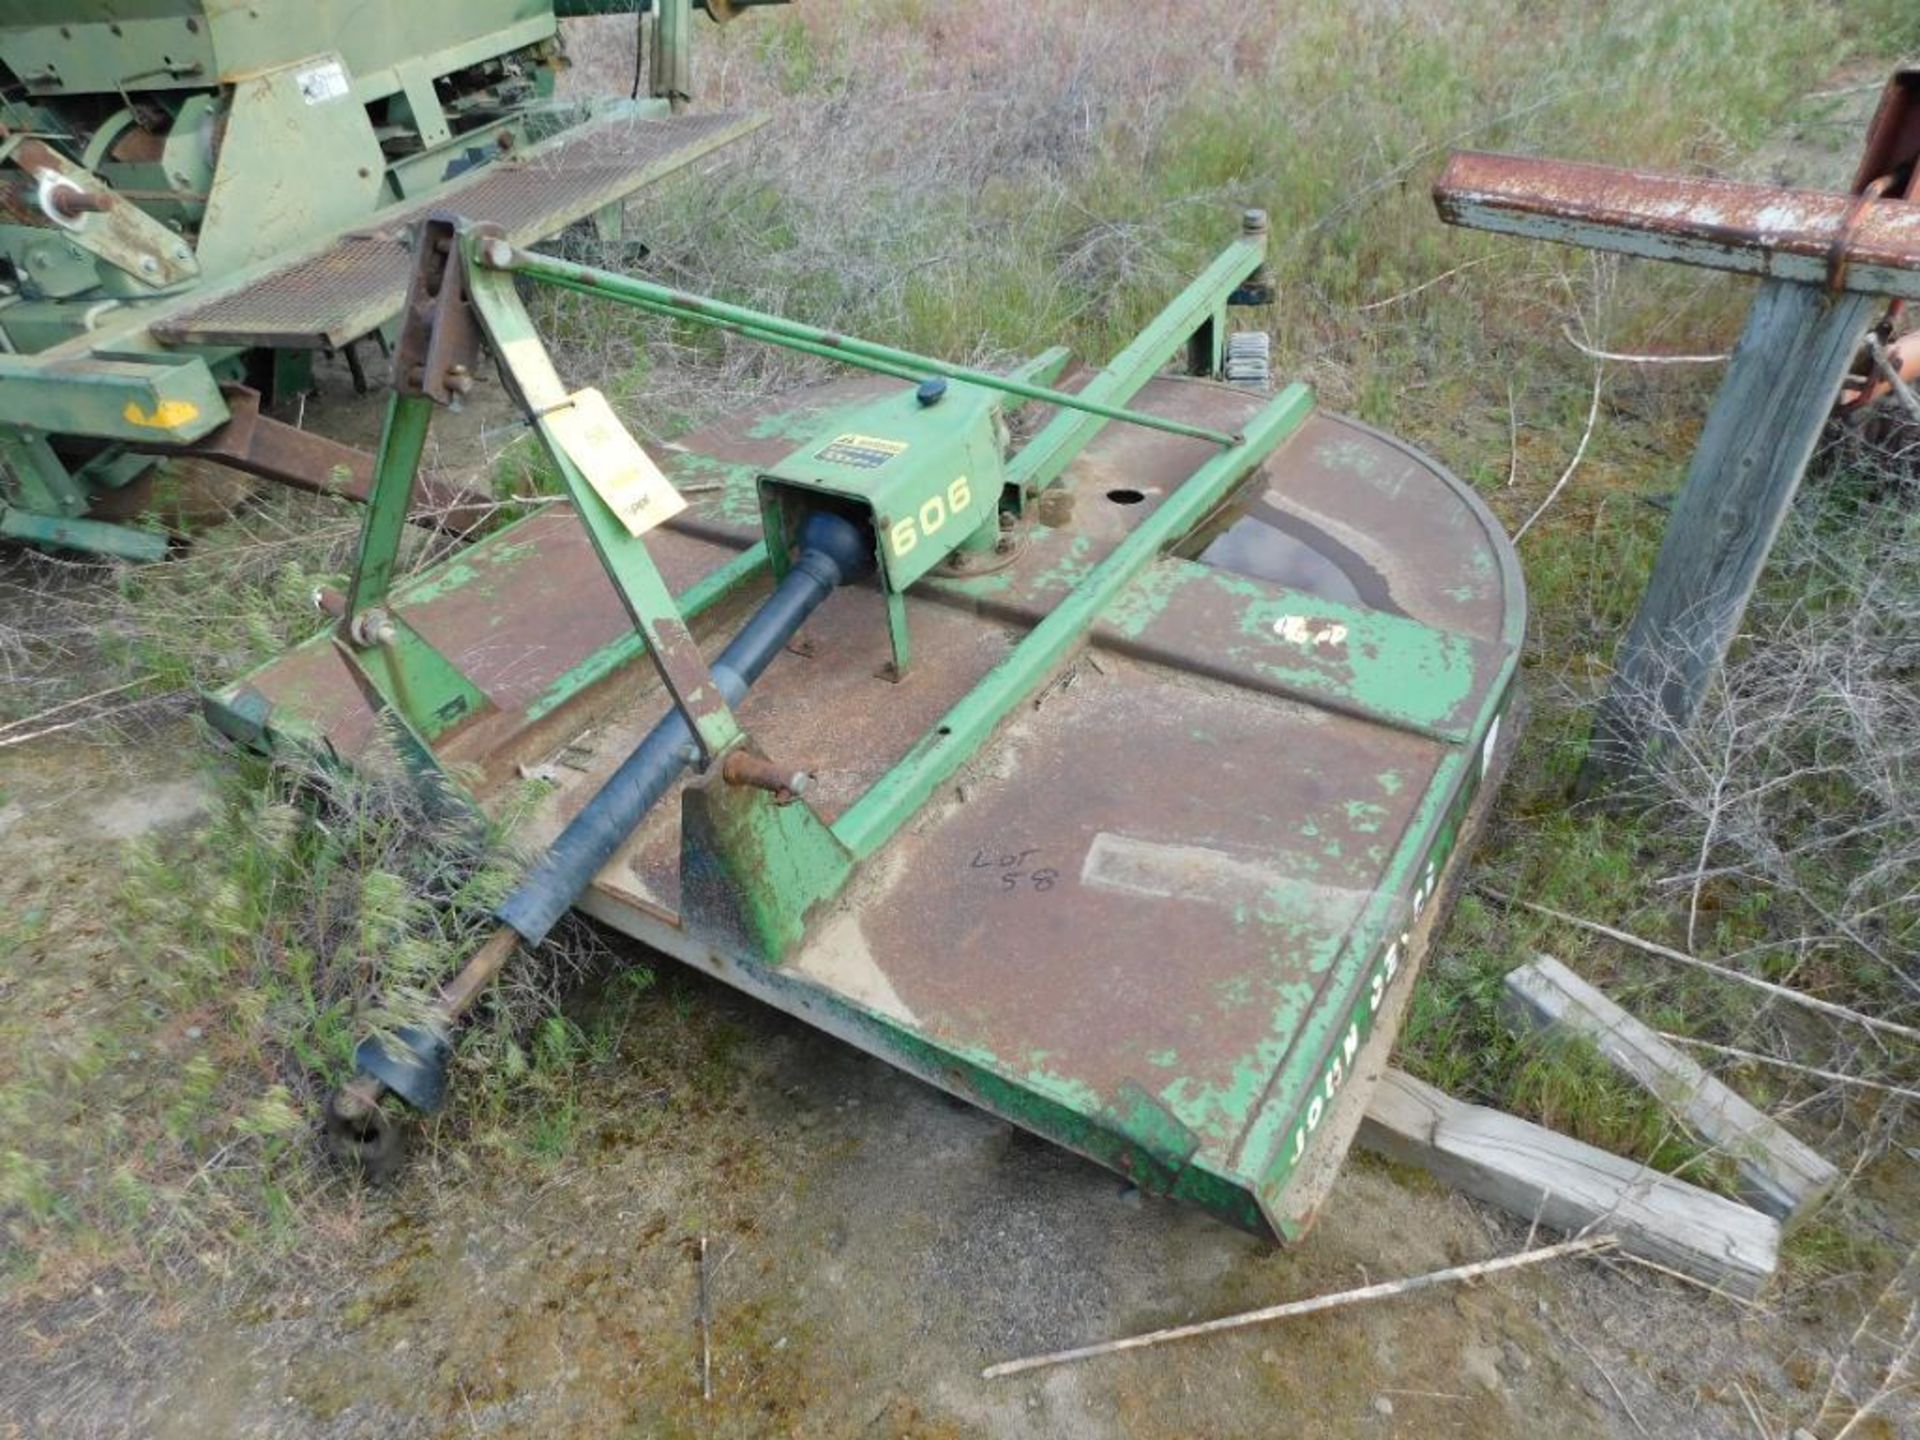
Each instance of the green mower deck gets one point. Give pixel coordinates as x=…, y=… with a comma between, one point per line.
x=1169, y=913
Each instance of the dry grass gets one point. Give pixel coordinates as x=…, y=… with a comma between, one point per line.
x=1790, y=811
x=169, y=1118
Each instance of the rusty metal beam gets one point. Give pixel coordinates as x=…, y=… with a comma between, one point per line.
x=257, y=444
x=1829, y=240
x=1893, y=136
x=1827, y=260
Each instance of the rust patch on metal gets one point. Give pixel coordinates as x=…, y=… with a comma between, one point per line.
x=830, y=704
x=529, y=606
x=1719, y=214
x=1239, y=813
x=1893, y=136
x=439, y=346
x=257, y=444
x=783, y=782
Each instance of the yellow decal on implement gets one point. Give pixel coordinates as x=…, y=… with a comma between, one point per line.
x=166, y=415
x=862, y=452
x=621, y=473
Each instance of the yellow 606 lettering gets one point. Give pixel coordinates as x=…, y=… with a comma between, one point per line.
x=904, y=534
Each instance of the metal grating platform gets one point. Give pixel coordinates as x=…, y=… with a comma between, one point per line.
x=357, y=283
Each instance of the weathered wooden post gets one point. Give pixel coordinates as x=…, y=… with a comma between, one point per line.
x=1828, y=261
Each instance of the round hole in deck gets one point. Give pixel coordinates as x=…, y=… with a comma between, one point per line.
x=1125, y=496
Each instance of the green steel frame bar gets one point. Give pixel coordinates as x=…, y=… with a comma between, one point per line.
x=659, y=619
x=1046, y=455
x=425, y=690
x=624, y=557
x=403, y=440
x=698, y=598
x=660, y=299
x=751, y=332
x=780, y=864
x=69, y=532
x=898, y=794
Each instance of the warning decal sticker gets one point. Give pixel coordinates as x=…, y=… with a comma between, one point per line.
x=862, y=452
x=323, y=82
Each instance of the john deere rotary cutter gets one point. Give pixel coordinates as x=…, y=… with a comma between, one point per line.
x=1111, y=779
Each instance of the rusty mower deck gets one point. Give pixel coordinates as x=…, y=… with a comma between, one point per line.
x=1152, y=912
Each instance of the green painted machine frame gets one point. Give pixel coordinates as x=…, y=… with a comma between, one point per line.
x=426, y=695
x=117, y=206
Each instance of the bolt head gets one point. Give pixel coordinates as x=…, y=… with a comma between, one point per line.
x=497, y=254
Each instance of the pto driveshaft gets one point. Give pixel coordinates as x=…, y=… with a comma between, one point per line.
x=833, y=552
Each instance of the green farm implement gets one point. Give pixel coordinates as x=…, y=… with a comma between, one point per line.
x=1112, y=777
x=197, y=197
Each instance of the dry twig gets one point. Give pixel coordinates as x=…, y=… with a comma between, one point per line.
x=1594, y=352
x=1736, y=1053
x=1424, y=285
x=1386, y=1289
x=706, y=1329
x=1579, y=453
x=1612, y=1385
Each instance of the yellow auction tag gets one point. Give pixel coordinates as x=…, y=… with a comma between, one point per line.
x=621, y=473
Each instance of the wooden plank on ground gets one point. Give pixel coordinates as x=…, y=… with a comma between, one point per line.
x=1779, y=1174
x=1536, y=1173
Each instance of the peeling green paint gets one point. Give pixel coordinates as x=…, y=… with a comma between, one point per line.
x=1216, y=1141
x=1365, y=816
x=1145, y=600
x=1068, y=571
x=455, y=575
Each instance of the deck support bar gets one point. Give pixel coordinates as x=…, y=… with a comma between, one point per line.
x=864, y=354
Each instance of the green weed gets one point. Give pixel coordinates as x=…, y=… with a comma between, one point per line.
x=249, y=961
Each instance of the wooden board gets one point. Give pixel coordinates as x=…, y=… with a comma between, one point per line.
x=1538, y=1174
x=1770, y=411
x=1778, y=1173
